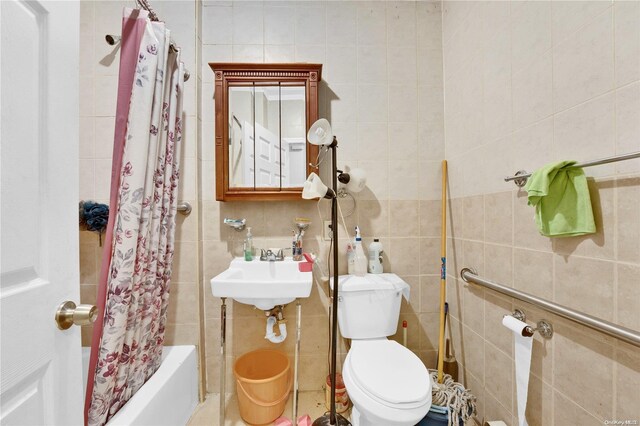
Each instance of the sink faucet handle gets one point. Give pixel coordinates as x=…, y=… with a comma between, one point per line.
x=280, y=254
x=265, y=254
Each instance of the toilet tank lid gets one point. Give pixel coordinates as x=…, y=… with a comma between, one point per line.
x=386, y=281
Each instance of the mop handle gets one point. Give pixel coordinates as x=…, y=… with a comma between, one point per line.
x=443, y=271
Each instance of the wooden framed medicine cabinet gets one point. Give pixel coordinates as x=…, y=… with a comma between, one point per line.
x=262, y=115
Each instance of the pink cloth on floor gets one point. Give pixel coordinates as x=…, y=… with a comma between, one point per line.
x=304, y=420
x=282, y=421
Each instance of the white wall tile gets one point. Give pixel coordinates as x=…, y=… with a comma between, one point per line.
x=403, y=180
x=628, y=126
x=311, y=53
x=102, y=186
x=343, y=102
x=279, y=52
x=569, y=16
x=341, y=66
x=429, y=25
x=217, y=25
x=248, y=53
x=533, y=92
x=403, y=141
x=627, y=41
x=403, y=103
x=401, y=23
x=372, y=27
x=377, y=180
x=530, y=32
x=372, y=102
x=372, y=64
x=87, y=179
x=583, y=64
x=104, y=134
x=279, y=25
x=587, y=132
x=402, y=64
x=248, y=25
x=105, y=87
x=311, y=28
x=373, y=141
x=87, y=135
x=341, y=22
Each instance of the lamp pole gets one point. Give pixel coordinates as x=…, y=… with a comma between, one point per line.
x=334, y=312
x=334, y=418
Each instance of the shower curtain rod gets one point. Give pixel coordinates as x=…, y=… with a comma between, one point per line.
x=144, y=4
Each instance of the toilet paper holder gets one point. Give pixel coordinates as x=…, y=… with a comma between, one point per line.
x=543, y=326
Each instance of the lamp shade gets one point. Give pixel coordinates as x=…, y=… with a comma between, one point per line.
x=320, y=133
x=357, y=180
x=314, y=188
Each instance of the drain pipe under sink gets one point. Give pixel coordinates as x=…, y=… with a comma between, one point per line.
x=270, y=335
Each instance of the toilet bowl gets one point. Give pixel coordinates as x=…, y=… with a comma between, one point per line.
x=387, y=383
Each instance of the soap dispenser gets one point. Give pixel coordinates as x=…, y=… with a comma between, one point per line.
x=360, y=258
x=248, y=246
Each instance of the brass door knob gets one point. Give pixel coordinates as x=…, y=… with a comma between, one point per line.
x=69, y=314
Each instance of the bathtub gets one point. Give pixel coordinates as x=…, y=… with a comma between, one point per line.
x=168, y=398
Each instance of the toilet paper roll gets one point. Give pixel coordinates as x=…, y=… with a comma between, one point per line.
x=522, y=350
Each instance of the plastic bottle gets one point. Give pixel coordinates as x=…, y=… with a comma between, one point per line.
x=375, y=257
x=248, y=246
x=351, y=258
x=360, y=258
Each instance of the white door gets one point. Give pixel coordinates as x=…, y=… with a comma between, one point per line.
x=267, y=157
x=40, y=381
x=262, y=159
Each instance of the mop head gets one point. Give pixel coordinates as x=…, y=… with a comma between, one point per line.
x=452, y=395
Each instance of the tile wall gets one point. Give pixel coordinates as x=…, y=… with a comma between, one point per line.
x=527, y=83
x=382, y=92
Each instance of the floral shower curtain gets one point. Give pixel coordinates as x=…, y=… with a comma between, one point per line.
x=133, y=290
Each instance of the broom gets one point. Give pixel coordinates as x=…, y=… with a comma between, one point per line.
x=443, y=270
x=446, y=392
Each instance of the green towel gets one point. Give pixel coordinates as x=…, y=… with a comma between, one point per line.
x=561, y=197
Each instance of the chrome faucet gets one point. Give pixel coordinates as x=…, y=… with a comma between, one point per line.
x=269, y=255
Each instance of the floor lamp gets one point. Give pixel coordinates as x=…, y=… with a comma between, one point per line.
x=321, y=134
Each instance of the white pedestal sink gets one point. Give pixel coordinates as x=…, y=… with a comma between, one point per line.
x=263, y=284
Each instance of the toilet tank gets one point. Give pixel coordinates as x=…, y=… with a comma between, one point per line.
x=369, y=306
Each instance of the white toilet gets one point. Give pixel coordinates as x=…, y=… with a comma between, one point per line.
x=387, y=383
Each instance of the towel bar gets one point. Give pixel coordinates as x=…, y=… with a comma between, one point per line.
x=521, y=176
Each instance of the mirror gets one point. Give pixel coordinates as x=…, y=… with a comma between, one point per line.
x=267, y=146
x=263, y=112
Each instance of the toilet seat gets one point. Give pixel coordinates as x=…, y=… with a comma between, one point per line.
x=389, y=373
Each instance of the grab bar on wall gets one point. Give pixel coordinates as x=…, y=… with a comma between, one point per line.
x=606, y=327
x=520, y=178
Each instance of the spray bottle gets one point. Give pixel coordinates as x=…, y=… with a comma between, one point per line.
x=360, y=258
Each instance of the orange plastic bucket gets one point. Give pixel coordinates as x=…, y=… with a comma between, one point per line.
x=263, y=382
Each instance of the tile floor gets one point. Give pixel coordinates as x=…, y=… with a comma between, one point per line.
x=207, y=413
